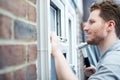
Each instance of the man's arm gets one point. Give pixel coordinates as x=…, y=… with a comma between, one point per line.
x=63, y=69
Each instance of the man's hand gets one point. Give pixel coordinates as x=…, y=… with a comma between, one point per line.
x=89, y=70
x=63, y=69
x=55, y=44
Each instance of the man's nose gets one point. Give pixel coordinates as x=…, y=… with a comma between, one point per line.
x=85, y=27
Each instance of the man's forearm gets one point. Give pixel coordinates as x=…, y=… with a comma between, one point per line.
x=63, y=69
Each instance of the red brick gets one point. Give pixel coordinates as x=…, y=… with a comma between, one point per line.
x=31, y=72
x=32, y=52
x=31, y=12
x=32, y=69
x=26, y=73
x=19, y=74
x=18, y=7
x=11, y=55
x=6, y=76
x=5, y=27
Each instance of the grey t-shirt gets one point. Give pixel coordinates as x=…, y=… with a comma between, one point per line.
x=108, y=67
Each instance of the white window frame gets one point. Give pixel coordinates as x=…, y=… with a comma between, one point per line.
x=59, y=4
x=43, y=34
x=43, y=40
x=57, y=24
x=71, y=14
x=43, y=37
x=55, y=21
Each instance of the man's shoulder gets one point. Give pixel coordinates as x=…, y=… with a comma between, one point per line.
x=112, y=57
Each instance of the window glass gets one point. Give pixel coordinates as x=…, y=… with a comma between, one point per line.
x=55, y=20
x=52, y=19
x=70, y=41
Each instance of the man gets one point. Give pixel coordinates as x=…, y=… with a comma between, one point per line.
x=102, y=29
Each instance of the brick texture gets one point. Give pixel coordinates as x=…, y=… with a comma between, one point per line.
x=31, y=72
x=18, y=7
x=16, y=25
x=6, y=76
x=24, y=31
x=11, y=55
x=32, y=52
x=26, y=73
x=31, y=12
x=5, y=27
x=19, y=74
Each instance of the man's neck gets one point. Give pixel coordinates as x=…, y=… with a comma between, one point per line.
x=106, y=43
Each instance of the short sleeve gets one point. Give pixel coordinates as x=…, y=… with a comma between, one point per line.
x=106, y=72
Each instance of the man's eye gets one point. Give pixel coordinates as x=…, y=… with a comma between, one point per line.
x=91, y=22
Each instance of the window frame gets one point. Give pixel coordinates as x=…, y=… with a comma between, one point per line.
x=71, y=14
x=57, y=25
x=61, y=6
x=43, y=42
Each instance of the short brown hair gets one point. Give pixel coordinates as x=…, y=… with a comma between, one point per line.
x=109, y=10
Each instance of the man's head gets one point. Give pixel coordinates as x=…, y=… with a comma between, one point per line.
x=104, y=20
x=109, y=10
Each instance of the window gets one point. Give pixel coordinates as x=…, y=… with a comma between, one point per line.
x=58, y=16
x=43, y=41
x=55, y=20
x=70, y=40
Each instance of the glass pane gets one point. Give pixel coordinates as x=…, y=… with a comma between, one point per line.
x=70, y=41
x=52, y=19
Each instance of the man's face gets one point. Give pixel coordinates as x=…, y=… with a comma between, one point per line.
x=95, y=28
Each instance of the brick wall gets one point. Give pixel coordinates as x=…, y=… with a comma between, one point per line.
x=18, y=40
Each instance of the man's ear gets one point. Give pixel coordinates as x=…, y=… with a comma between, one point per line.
x=111, y=25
